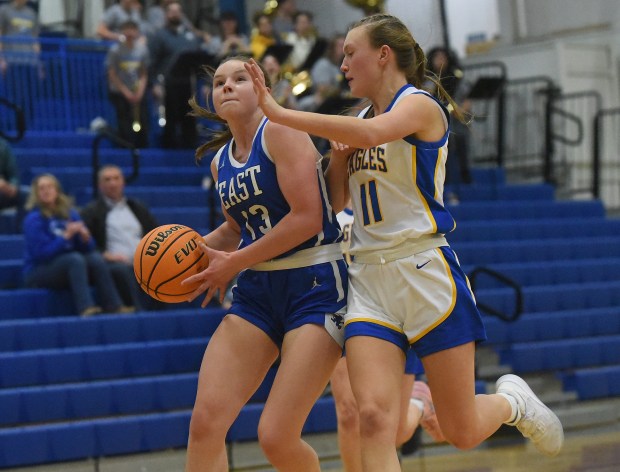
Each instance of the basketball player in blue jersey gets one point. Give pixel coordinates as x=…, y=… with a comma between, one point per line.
x=406, y=287
x=282, y=237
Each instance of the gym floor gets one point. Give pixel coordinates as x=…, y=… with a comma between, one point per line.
x=588, y=450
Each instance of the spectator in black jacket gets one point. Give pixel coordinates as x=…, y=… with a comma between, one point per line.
x=117, y=224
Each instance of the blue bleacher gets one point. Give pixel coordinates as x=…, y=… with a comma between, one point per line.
x=74, y=388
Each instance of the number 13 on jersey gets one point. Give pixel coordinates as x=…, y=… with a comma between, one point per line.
x=369, y=198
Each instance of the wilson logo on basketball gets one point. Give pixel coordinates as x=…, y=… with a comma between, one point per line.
x=156, y=242
x=167, y=256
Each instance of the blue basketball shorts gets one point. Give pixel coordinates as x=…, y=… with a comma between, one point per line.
x=279, y=301
x=413, y=365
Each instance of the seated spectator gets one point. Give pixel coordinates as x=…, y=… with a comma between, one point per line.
x=11, y=194
x=230, y=39
x=281, y=88
x=113, y=17
x=117, y=224
x=60, y=251
x=327, y=78
x=127, y=66
x=263, y=35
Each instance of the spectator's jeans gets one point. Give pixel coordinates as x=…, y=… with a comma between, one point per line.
x=71, y=271
x=129, y=289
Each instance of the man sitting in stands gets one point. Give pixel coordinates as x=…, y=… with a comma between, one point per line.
x=117, y=224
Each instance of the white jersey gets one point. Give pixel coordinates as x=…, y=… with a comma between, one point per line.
x=397, y=189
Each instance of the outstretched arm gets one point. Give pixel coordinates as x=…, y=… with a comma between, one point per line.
x=414, y=114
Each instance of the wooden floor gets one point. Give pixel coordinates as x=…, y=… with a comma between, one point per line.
x=591, y=451
x=598, y=452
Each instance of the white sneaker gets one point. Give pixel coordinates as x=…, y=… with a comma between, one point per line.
x=535, y=420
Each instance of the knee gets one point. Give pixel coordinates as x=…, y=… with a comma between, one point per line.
x=271, y=441
x=75, y=261
x=460, y=438
x=373, y=421
x=204, y=426
x=96, y=261
x=348, y=417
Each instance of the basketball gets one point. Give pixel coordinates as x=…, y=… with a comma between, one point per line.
x=164, y=258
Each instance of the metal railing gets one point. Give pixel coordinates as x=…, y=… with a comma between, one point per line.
x=488, y=125
x=106, y=133
x=571, y=165
x=508, y=283
x=606, y=151
x=528, y=128
x=16, y=116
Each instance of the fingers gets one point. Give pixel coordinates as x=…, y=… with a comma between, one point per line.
x=208, y=297
x=338, y=146
x=256, y=73
x=193, y=279
x=201, y=288
x=203, y=247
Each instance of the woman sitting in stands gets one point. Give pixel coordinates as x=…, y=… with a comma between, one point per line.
x=60, y=251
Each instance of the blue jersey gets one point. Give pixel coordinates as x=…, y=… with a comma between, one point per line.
x=250, y=193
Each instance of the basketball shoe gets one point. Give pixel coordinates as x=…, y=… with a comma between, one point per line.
x=533, y=419
x=428, y=421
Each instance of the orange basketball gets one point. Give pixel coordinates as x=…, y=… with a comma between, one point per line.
x=164, y=258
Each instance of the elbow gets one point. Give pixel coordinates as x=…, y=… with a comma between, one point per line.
x=369, y=137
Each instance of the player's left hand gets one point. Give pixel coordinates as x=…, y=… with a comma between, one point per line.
x=214, y=278
x=340, y=150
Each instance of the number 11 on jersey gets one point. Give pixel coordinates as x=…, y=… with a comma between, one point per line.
x=369, y=198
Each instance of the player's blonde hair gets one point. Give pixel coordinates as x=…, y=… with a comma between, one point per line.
x=383, y=29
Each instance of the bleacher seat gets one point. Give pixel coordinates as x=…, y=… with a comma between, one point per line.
x=73, y=388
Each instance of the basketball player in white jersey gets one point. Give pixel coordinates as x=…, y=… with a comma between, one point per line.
x=406, y=287
x=416, y=406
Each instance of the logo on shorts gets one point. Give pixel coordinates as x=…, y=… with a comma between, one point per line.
x=419, y=266
x=338, y=320
x=315, y=284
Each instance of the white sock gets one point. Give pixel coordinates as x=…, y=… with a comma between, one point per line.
x=419, y=404
x=515, y=413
